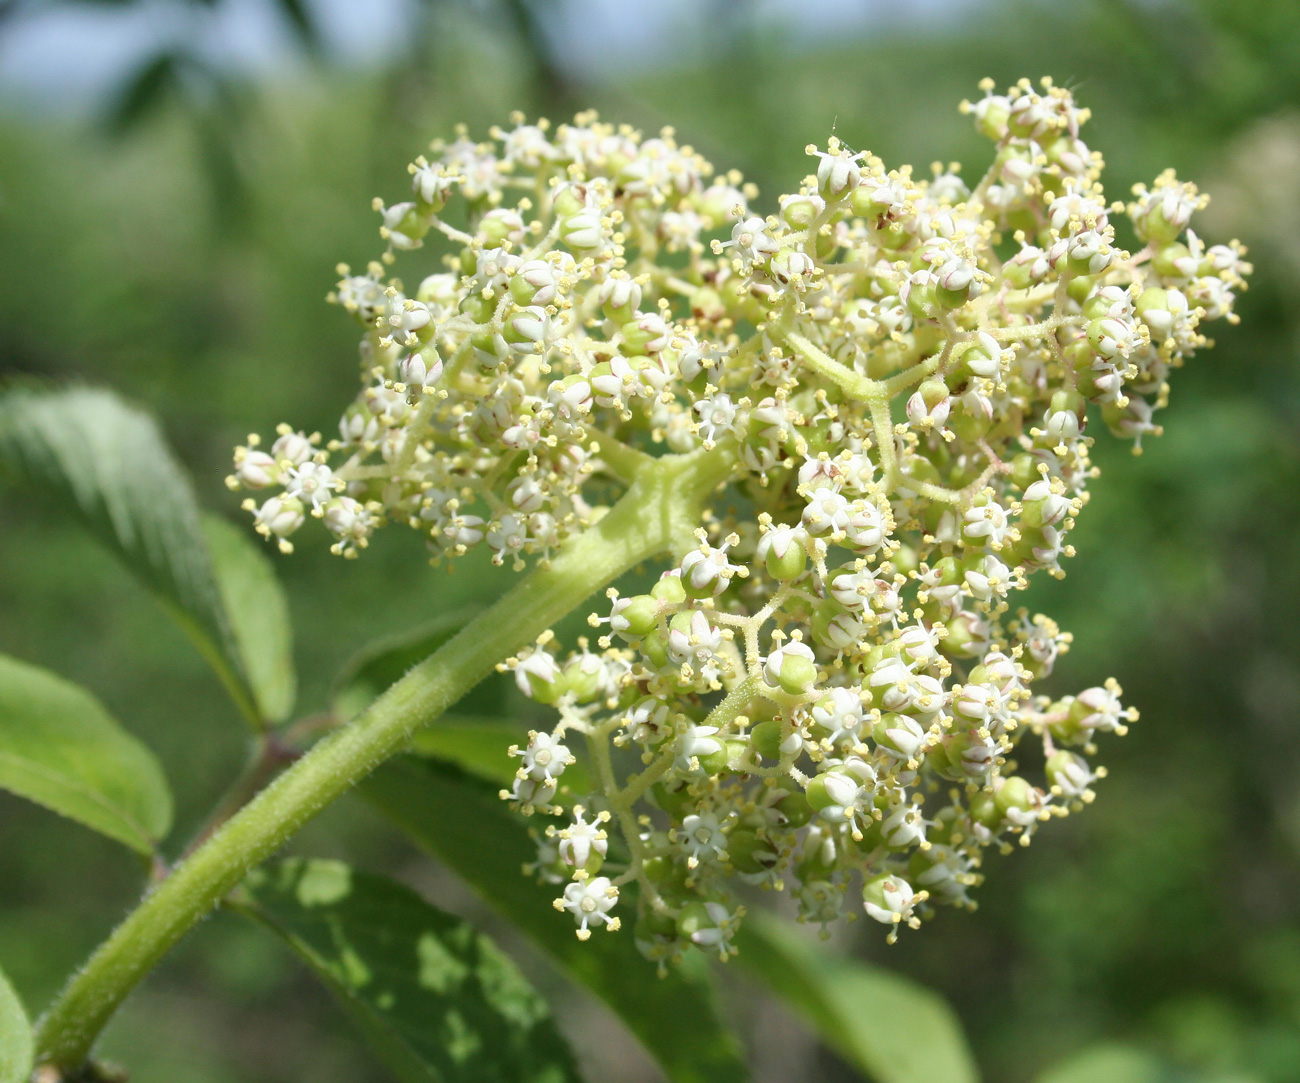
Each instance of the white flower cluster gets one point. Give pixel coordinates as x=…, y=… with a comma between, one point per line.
x=828, y=693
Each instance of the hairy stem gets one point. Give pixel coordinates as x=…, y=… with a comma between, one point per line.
x=656, y=514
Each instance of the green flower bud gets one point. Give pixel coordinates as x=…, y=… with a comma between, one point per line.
x=1173, y=261
x=791, y=668
x=749, y=853
x=1016, y=794
x=655, y=648
x=796, y=809
x=674, y=798
x=766, y=738
x=478, y=308
x=800, y=211
x=984, y=810
x=669, y=590
x=582, y=676
x=637, y=617
x=1079, y=287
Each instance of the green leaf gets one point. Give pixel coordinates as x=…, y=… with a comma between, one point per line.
x=110, y=461
x=371, y=671
x=889, y=1028
x=462, y=821
x=1115, y=1062
x=60, y=748
x=144, y=92
x=258, y=613
x=15, y=1036
x=436, y=999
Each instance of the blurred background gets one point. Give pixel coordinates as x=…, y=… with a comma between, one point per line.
x=178, y=179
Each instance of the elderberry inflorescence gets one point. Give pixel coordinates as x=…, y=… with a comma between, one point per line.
x=825, y=695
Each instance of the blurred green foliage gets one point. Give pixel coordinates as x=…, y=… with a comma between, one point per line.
x=185, y=264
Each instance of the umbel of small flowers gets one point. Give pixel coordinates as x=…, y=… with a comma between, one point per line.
x=828, y=693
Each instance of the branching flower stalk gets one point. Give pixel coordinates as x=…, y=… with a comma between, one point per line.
x=828, y=689
x=852, y=429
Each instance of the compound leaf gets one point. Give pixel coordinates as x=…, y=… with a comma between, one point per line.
x=110, y=462
x=60, y=748
x=259, y=615
x=435, y=998
x=462, y=821
x=889, y=1028
x=15, y=1036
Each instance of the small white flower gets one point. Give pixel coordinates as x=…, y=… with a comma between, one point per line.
x=694, y=742
x=313, y=483
x=590, y=901
x=701, y=837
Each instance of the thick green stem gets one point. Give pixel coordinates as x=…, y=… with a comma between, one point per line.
x=657, y=514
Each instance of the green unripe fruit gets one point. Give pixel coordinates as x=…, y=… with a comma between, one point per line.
x=993, y=123
x=940, y=761
x=522, y=290
x=933, y=392
x=874, y=894
x=833, y=626
x=960, y=641
x=1066, y=399
x=816, y=794
x=952, y=298
x=1096, y=306
x=947, y=572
